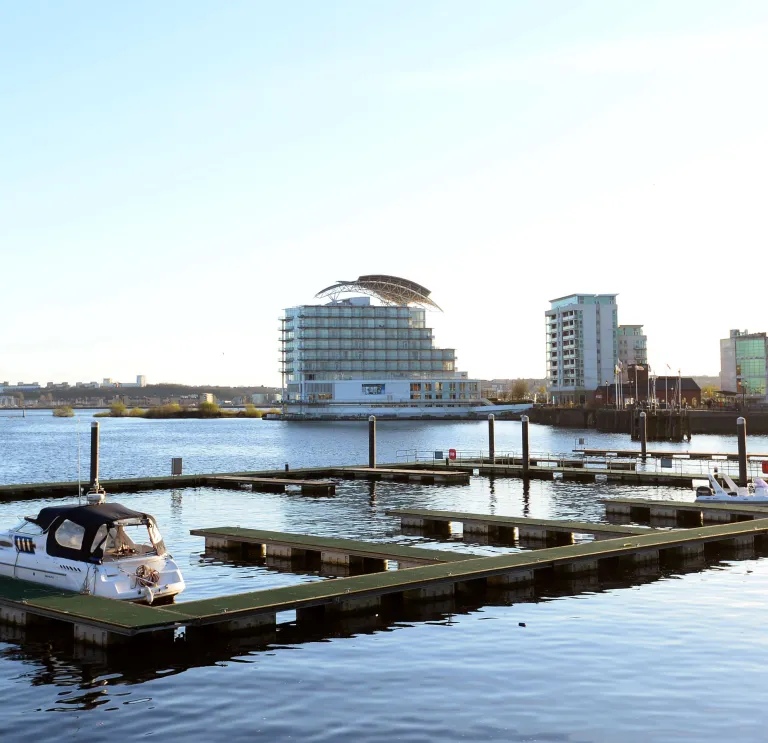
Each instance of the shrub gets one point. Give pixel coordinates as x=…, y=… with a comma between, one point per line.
x=208, y=409
x=118, y=410
x=163, y=411
x=64, y=411
x=251, y=411
x=137, y=413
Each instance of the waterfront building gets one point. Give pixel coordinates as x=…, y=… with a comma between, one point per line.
x=581, y=345
x=743, y=367
x=8, y=401
x=632, y=346
x=351, y=358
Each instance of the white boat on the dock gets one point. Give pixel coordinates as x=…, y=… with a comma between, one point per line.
x=103, y=549
x=757, y=492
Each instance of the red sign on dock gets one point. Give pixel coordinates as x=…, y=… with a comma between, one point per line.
x=452, y=454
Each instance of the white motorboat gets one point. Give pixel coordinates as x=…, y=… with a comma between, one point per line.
x=103, y=549
x=715, y=493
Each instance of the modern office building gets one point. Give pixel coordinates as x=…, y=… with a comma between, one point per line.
x=351, y=358
x=743, y=367
x=581, y=346
x=633, y=348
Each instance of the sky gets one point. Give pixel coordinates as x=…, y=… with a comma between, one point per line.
x=173, y=175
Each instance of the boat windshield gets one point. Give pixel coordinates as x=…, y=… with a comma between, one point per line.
x=128, y=538
x=27, y=527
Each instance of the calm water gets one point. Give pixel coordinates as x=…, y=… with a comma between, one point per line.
x=681, y=657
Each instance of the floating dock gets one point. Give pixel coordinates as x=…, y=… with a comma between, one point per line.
x=102, y=621
x=685, y=513
x=511, y=528
x=268, y=480
x=271, y=484
x=445, y=476
x=655, y=453
x=328, y=550
x=617, y=474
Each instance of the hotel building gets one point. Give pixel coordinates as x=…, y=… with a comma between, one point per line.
x=350, y=358
x=581, y=345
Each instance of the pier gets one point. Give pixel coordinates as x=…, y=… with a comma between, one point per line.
x=685, y=513
x=444, y=476
x=327, y=550
x=654, y=453
x=510, y=528
x=106, y=622
x=271, y=484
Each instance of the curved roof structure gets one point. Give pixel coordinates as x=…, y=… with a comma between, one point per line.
x=389, y=289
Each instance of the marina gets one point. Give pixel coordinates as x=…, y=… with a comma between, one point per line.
x=245, y=604
x=105, y=622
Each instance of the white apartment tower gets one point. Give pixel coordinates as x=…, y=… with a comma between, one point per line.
x=581, y=347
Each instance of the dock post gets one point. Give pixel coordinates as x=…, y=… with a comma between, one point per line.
x=491, y=438
x=643, y=436
x=741, y=433
x=526, y=448
x=94, y=456
x=372, y=441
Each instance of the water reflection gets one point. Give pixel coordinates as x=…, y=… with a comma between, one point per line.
x=50, y=657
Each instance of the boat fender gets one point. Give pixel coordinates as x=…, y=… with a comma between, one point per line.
x=147, y=576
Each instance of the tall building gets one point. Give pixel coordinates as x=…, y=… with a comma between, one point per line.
x=743, y=366
x=633, y=347
x=581, y=347
x=351, y=358
x=141, y=380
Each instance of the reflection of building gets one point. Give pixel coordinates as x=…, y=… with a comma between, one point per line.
x=581, y=345
x=743, y=367
x=351, y=358
x=632, y=346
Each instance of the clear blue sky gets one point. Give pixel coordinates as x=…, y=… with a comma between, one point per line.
x=175, y=174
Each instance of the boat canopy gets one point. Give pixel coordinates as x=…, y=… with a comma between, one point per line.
x=72, y=530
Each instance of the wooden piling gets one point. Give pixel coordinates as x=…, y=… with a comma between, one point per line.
x=741, y=433
x=372, y=441
x=643, y=435
x=526, y=448
x=492, y=438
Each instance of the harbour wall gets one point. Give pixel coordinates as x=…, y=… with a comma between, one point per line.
x=607, y=420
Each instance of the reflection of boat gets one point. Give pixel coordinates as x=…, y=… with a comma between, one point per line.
x=756, y=493
x=103, y=549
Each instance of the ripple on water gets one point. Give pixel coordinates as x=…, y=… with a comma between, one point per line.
x=679, y=658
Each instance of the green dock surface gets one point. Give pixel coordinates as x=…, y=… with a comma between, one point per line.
x=376, y=584
x=121, y=617
x=579, y=527
x=375, y=550
x=232, y=613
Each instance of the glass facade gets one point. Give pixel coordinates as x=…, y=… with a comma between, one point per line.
x=751, y=365
x=346, y=341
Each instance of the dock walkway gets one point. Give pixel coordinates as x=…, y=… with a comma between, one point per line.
x=330, y=550
x=104, y=621
x=655, y=453
x=444, y=475
x=686, y=513
x=512, y=527
x=271, y=484
x=618, y=474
